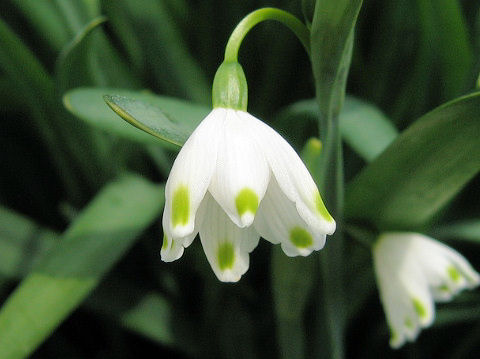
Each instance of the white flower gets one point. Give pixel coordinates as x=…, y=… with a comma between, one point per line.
x=234, y=180
x=412, y=271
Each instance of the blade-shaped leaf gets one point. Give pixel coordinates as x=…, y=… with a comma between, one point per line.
x=90, y=59
x=365, y=128
x=74, y=64
x=332, y=35
x=362, y=125
x=28, y=76
x=148, y=313
x=467, y=230
x=46, y=19
x=93, y=243
x=178, y=73
x=22, y=242
x=455, y=52
x=178, y=116
x=148, y=118
x=422, y=170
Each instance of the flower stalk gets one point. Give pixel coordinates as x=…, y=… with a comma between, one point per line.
x=258, y=16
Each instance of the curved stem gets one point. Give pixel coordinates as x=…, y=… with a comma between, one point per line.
x=257, y=16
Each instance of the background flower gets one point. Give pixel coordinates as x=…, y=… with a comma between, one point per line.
x=412, y=272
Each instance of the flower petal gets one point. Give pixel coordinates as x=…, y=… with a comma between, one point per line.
x=279, y=222
x=226, y=246
x=172, y=248
x=242, y=173
x=292, y=176
x=403, y=286
x=448, y=272
x=191, y=175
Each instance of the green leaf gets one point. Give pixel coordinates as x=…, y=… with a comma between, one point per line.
x=440, y=51
x=365, y=128
x=28, y=76
x=73, y=66
x=77, y=13
x=422, y=170
x=22, y=242
x=454, y=50
x=308, y=8
x=121, y=25
x=467, y=230
x=46, y=19
x=142, y=311
x=95, y=241
x=179, y=117
x=149, y=119
x=165, y=51
x=362, y=125
x=21, y=65
x=90, y=59
x=332, y=35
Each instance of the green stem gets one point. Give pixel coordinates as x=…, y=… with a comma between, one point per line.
x=257, y=16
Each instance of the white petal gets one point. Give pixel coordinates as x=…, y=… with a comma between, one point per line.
x=293, y=177
x=402, y=320
x=411, y=270
x=226, y=246
x=191, y=175
x=279, y=222
x=172, y=249
x=242, y=173
x=403, y=287
x=448, y=272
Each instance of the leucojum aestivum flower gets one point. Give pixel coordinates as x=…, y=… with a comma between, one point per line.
x=236, y=179
x=412, y=272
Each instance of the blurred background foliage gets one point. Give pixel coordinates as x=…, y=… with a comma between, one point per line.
x=80, y=206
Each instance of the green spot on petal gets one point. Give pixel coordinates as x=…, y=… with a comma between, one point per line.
x=454, y=274
x=226, y=255
x=165, y=242
x=420, y=308
x=300, y=237
x=246, y=201
x=321, y=209
x=409, y=323
x=444, y=288
x=180, y=206
x=393, y=334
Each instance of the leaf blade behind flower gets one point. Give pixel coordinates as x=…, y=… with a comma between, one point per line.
x=88, y=105
x=422, y=170
x=64, y=277
x=147, y=118
x=363, y=126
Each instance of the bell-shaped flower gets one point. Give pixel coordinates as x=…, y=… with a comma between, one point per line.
x=412, y=272
x=236, y=179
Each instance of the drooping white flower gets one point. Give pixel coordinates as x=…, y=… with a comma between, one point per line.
x=234, y=180
x=412, y=272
